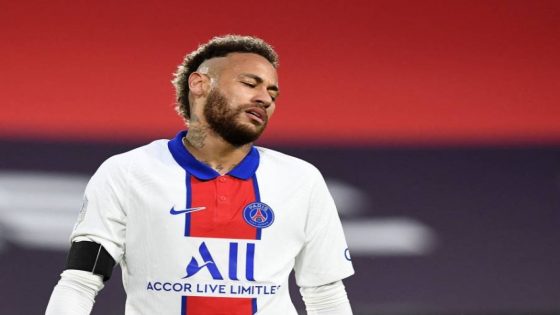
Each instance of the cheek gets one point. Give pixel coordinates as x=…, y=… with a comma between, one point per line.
x=270, y=110
x=235, y=101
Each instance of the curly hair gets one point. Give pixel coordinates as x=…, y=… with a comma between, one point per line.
x=216, y=47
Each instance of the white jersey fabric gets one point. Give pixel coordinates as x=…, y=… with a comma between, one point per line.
x=190, y=241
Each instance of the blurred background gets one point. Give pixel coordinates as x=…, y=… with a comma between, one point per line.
x=435, y=123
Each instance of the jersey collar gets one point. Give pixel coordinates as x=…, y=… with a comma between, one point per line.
x=244, y=170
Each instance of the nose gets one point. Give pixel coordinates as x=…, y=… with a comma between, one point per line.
x=263, y=98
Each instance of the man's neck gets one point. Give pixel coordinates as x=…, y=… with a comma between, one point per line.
x=213, y=150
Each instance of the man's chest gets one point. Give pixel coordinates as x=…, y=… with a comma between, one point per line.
x=179, y=207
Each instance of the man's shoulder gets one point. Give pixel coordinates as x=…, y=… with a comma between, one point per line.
x=153, y=148
x=285, y=163
x=146, y=153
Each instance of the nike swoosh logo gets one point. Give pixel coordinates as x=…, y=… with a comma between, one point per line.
x=188, y=210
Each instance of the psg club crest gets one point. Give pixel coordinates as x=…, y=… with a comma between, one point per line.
x=258, y=214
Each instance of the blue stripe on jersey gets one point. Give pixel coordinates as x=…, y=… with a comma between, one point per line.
x=257, y=199
x=254, y=305
x=184, y=305
x=189, y=202
x=256, y=188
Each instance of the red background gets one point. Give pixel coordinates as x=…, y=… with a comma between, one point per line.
x=360, y=72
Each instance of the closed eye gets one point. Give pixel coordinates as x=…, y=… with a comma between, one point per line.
x=249, y=84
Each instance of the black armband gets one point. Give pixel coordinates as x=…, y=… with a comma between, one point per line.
x=91, y=257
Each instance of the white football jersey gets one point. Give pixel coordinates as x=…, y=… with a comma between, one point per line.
x=191, y=241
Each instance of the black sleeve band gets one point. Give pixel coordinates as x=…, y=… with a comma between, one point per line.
x=92, y=257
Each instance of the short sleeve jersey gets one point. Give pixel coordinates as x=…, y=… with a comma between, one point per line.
x=191, y=241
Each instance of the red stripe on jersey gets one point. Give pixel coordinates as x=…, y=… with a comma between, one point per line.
x=224, y=197
x=218, y=306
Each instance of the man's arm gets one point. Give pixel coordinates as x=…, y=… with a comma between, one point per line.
x=89, y=265
x=323, y=261
x=97, y=240
x=75, y=293
x=329, y=299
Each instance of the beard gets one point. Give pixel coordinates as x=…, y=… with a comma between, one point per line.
x=223, y=120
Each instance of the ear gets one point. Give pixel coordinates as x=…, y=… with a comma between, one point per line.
x=198, y=84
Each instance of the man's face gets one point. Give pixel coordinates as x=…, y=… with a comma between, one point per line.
x=240, y=104
x=225, y=120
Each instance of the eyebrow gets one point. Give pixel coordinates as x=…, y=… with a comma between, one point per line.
x=260, y=80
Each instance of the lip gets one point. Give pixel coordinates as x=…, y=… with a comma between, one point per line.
x=257, y=114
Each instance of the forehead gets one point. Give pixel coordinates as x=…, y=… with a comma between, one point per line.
x=236, y=64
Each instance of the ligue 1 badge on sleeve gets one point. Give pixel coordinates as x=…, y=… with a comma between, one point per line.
x=258, y=214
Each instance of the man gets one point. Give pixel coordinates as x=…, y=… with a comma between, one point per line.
x=206, y=223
